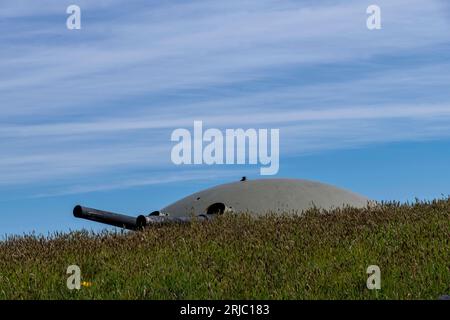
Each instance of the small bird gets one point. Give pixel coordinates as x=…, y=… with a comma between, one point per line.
x=243, y=178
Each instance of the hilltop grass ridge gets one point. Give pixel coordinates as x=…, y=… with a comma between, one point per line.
x=318, y=255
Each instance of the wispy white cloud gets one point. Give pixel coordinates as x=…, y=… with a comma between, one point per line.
x=160, y=179
x=198, y=45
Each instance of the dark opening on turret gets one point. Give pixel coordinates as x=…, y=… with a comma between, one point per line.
x=216, y=208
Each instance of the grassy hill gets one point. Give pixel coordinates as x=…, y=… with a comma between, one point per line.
x=315, y=256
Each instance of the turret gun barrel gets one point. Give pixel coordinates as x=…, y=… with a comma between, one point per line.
x=145, y=221
x=113, y=219
x=129, y=222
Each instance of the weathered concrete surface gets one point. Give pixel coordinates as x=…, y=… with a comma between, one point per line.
x=267, y=195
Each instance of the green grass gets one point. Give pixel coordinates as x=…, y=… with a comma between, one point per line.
x=315, y=256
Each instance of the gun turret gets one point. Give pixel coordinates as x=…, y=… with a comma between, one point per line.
x=129, y=222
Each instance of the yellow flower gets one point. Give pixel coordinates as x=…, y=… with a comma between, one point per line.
x=86, y=284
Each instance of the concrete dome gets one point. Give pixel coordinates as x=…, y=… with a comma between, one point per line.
x=265, y=195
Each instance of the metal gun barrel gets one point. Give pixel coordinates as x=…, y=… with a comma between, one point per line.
x=113, y=219
x=144, y=221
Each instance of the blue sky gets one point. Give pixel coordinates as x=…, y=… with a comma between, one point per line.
x=86, y=115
